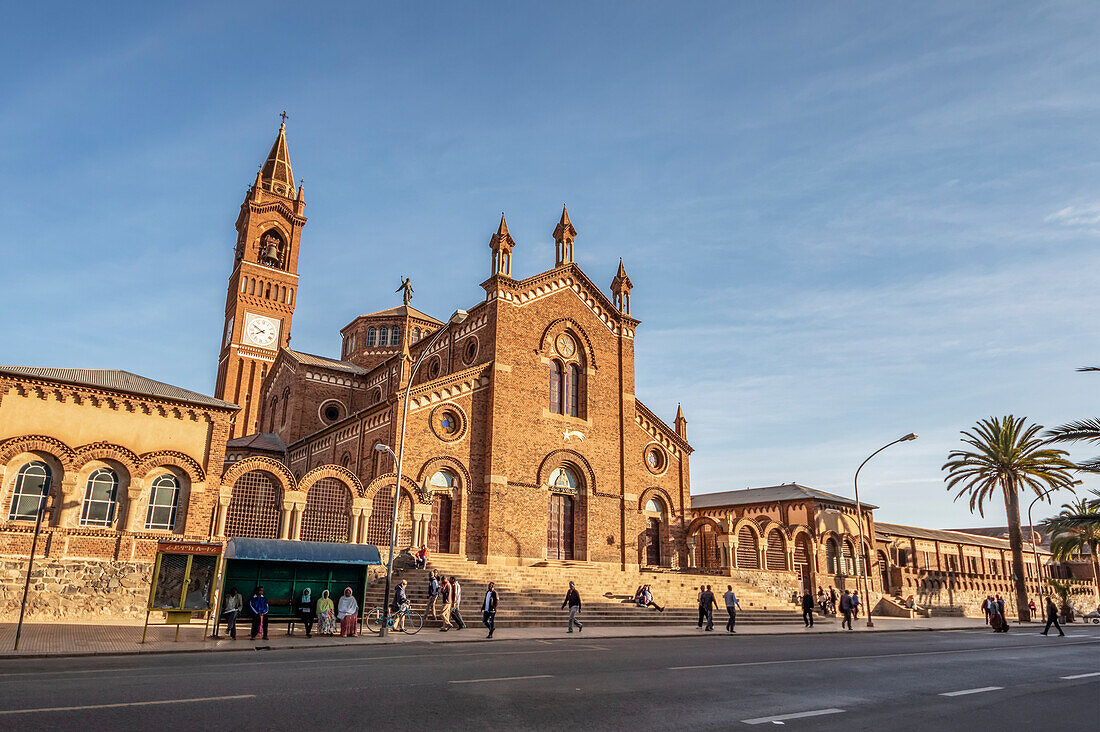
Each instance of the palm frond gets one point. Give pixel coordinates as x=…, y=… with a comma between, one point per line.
x=1082, y=430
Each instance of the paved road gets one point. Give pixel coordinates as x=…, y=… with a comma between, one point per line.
x=851, y=682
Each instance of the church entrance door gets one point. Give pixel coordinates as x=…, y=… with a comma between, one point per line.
x=559, y=537
x=653, y=542
x=439, y=530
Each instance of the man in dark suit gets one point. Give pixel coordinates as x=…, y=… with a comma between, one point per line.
x=808, y=609
x=707, y=603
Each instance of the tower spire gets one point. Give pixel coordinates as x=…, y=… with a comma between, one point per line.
x=620, y=289
x=276, y=175
x=501, y=243
x=681, y=423
x=564, y=234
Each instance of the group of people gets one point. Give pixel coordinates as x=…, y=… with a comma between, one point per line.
x=643, y=597
x=329, y=617
x=707, y=603
x=447, y=591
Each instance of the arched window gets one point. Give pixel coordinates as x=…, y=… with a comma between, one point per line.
x=383, y=335
x=163, y=500
x=748, y=549
x=254, y=507
x=274, y=412
x=572, y=388
x=371, y=335
x=416, y=335
x=775, y=554
x=286, y=403
x=832, y=556
x=564, y=478
x=328, y=506
x=849, y=557
x=32, y=486
x=395, y=336
x=555, y=387
x=444, y=479
x=100, y=498
x=654, y=506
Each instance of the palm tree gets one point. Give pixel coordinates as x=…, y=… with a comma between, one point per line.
x=1082, y=430
x=1075, y=529
x=1009, y=457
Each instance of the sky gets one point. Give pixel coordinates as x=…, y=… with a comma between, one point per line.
x=844, y=222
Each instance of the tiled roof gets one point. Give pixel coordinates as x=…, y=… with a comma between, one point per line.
x=116, y=380
x=267, y=441
x=770, y=494
x=401, y=311
x=956, y=537
x=329, y=363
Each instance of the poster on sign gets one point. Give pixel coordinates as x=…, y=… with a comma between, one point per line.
x=183, y=582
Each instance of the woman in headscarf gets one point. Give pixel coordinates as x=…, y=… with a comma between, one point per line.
x=305, y=612
x=348, y=612
x=326, y=615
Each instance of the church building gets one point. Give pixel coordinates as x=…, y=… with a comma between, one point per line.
x=524, y=438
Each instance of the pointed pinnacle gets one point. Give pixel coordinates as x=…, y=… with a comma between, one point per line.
x=502, y=230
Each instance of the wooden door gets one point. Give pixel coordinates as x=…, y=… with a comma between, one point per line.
x=439, y=530
x=653, y=543
x=559, y=534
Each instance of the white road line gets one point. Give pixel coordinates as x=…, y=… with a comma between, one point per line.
x=126, y=704
x=1081, y=676
x=873, y=655
x=796, y=715
x=502, y=678
x=964, y=692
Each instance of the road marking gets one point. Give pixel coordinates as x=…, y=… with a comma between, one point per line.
x=964, y=692
x=1081, y=676
x=86, y=671
x=126, y=704
x=797, y=715
x=859, y=658
x=502, y=678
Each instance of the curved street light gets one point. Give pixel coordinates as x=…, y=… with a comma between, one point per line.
x=457, y=317
x=859, y=521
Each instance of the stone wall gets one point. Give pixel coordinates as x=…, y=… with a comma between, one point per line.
x=75, y=589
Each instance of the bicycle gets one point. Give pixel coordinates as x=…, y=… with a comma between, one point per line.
x=414, y=621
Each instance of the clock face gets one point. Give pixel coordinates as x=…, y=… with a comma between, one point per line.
x=566, y=346
x=261, y=331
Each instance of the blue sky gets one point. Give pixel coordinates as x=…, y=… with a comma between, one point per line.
x=844, y=222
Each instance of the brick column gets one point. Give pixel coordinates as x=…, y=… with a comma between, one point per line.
x=284, y=520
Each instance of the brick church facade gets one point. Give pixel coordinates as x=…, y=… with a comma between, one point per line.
x=525, y=441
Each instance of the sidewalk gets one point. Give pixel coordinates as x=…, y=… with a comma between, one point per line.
x=56, y=639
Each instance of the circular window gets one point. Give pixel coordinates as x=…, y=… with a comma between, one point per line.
x=448, y=422
x=433, y=369
x=655, y=459
x=331, y=411
x=470, y=352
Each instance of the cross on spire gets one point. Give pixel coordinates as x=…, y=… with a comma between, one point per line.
x=284, y=116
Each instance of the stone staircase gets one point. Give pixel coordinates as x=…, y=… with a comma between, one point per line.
x=532, y=595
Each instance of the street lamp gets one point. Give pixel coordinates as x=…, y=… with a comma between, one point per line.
x=859, y=522
x=1034, y=549
x=459, y=316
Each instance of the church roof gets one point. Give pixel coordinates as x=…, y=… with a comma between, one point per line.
x=116, y=380
x=310, y=359
x=276, y=168
x=957, y=537
x=266, y=441
x=770, y=494
x=401, y=311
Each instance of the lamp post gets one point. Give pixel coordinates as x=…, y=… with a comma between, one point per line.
x=459, y=316
x=859, y=522
x=30, y=560
x=1034, y=549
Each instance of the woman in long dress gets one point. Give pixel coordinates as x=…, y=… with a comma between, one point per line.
x=326, y=615
x=348, y=613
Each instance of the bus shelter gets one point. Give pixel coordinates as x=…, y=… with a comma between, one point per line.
x=285, y=568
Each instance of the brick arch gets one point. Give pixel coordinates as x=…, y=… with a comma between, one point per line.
x=656, y=491
x=793, y=533
x=152, y=460
x=743, y=522
x=408, y=485
x=557, y=457
x=109, y=451
x=590, y=352
x=441, y=461
x=38, y=443
x=282, y=475
x=700, y=521
x=338, y=472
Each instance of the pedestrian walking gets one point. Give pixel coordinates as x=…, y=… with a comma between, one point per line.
x=832, y=600
x=1052, y=618
x=400, y=605
x=258, y=606
x=702, y=612
x=234, y=603
x=808, y=609
x=855, y=603
x=846, y=610
x=447, y=592
x=306, y=613
x=456, y=615
x=348, y=613
x=732, y=606
x=985, y=607
x=489, y=609
x=433, y=595
x=707, y=603
x=997, y=619
x=326, y=615
x=573, y=601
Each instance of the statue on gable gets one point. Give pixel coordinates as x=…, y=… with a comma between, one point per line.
x=406, y=289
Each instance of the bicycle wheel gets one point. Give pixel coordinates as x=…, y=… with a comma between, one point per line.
x=414, y=621
x=373, y=620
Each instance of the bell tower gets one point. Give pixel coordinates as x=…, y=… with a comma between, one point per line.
x=259, y=303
